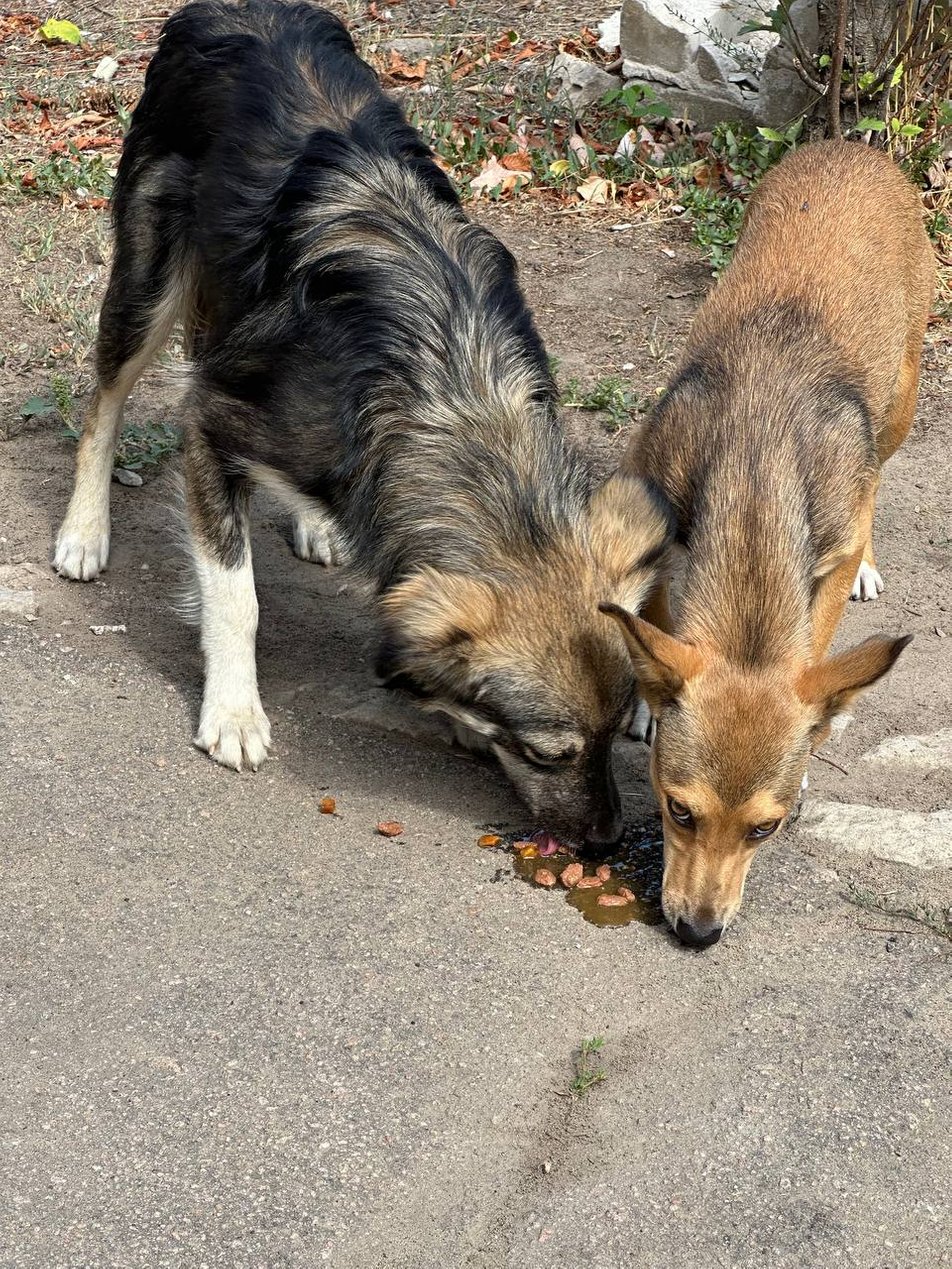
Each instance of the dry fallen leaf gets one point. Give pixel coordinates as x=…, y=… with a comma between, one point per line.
x=327, y=806
x=571, y=875
x=596, y=190
x=494, y=175
x=543, y=877
x=488, y=839
x=580, y=149
x=517, y=162
x=390, y=828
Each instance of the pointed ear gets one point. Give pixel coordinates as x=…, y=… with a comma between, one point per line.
x=630, y=529
x=662, y=663
x=833, y=684
x=432, y=613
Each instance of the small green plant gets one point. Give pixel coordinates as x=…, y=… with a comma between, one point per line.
x=75, y=173
x=587, y=1072
x=144, y=445
x=610, y=396
x=631, y=104
x=743, y=155
x=63, y=399
x=140, y=445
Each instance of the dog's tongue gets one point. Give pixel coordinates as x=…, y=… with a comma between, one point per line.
x=548, y=845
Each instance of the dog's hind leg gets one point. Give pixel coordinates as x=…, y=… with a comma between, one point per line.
x=142, y=302
x=869, y=583
x=232, y=728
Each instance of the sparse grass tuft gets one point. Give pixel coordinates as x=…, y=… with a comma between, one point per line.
x=587, y=1072
x=611, y=396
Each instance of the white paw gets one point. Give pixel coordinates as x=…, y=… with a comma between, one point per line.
x=234, y=737
x=316, y=539
x=642, y=725
x=81, y=554
x=868, y=584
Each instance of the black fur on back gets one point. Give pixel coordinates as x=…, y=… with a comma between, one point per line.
x=354, y=331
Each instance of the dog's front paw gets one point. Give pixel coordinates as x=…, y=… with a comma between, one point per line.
x=642, y=725
x=868, y=585
x=317, y=539
x=234, y=737
x=81, y=550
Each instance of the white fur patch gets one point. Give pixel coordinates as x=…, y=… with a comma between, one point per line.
x=868, y=585
x=233, y=728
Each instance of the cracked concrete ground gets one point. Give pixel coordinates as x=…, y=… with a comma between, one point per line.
x=239, y=1033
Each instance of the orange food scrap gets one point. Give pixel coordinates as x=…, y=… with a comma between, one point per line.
x=603, y=873
x=626, y=894
x=489, y=839
x=327, y=806
x=571, y=875
x=529, y=851
x=587, y=883
x=390, y=828
x=611, y=901
x=543, y=877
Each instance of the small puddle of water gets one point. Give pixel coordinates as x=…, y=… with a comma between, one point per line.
x=635, y=863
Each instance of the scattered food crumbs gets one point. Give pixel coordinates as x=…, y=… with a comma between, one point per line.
x=611, y=901
x=543, y=877
x=390, y=828
x=101, y=630
x=327, y=806
x=571, y=875
x=489, y=839
x=587, y=883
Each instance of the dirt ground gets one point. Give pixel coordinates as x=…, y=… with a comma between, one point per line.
x=241, y=1033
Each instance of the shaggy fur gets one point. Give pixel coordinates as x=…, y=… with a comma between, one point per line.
x=365, y=351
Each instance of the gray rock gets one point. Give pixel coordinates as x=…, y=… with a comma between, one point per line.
x=783, y=94
x=409, y=46
x=652, y=35
x=639, y=73
x=17, y=603
x=713, y=66
x=582, y=83
x=920, y=838
x=126, y=477
x=609, y=32
x=915, y=751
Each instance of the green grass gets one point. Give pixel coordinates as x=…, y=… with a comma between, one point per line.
x=610, y=396
x=587, y=1072
x=75, y=174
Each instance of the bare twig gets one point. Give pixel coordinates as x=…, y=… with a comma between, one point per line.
x=836, y=72
x=831, y=763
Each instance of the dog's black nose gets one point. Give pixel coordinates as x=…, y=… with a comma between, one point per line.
x=703, y=935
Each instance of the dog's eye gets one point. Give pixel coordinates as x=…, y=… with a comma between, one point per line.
x=763, y=830
x=680, y=813
x=539, y=759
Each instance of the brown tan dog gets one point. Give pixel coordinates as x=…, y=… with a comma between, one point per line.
x=798, y=382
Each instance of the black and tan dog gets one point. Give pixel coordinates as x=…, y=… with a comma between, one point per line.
x=364, y=350
x=798, y=382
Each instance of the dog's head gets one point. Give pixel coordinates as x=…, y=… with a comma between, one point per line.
x=526, y=663
x=730, y=751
